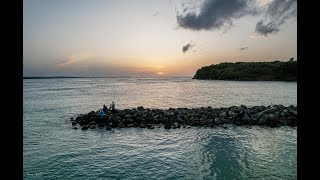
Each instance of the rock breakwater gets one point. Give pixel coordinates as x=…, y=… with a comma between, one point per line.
x=273, y=116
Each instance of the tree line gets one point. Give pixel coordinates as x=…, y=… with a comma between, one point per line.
x=246, y=71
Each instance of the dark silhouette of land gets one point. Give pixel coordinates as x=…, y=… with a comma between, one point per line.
x=250, y=71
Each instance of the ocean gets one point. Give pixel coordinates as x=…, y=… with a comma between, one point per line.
x=53, y=150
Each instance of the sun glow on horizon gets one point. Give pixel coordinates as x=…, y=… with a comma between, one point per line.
x=104, y=38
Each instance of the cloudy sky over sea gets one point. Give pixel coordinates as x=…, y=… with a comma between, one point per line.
x=153, y=38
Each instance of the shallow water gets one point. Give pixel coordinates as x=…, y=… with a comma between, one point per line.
x=53, y=150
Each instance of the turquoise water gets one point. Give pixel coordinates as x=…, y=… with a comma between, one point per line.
x=53, y=150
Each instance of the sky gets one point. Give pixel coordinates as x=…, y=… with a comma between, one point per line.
x=158, y=38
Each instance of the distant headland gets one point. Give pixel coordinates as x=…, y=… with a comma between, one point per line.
x=250, y=71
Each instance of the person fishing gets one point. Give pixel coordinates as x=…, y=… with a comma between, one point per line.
x=112, y=106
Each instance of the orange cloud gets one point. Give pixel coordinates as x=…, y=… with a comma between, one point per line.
x=74, y=58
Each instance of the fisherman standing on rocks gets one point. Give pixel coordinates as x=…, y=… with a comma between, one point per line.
x=112, y=106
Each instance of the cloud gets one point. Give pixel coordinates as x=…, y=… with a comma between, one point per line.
x=187, y=47
x=265, y=28
x=264, y=2
x=215, y=14
x=257, y=36
x=243, y=48
x=74, y=58
x=156, y=13
x=278, y=12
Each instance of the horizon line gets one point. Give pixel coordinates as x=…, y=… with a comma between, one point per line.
x=58, y=77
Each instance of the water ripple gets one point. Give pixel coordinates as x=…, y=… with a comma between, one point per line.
x=53, y=150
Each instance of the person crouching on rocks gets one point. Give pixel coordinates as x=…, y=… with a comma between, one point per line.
x=101, y=113
x=105, y=108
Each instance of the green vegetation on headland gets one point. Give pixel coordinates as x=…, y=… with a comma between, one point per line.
x=250, y=71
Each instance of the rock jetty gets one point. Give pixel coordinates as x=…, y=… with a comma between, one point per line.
x=273, y=116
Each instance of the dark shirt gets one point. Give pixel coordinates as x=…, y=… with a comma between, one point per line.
x=105, y=109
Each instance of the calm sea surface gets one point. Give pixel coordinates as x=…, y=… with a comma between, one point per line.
x=53, y=150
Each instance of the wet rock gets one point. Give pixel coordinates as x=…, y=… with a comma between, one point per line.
x=128, y=116
x=122, y=125
x=142, y=125
x=224, y=120
x=247, y=118
x=211, y=125
x=294, y=112
x=292, y=121
x=223, y=114
x=217, y=121
x=130, y=125
x=84, y=128
x=283, y=121
x=232, y=114
x=129, y=121
x=170, y=113
x=238, y=123
x=273, y=123
x=263, y=120
x=176, y=125
x=150, y=126
x=91, y=113
x=271, y=116
x=243, y=107
x=167, y=125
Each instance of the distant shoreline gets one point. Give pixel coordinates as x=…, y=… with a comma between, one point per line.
x=60, y=77
x=70, y=77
